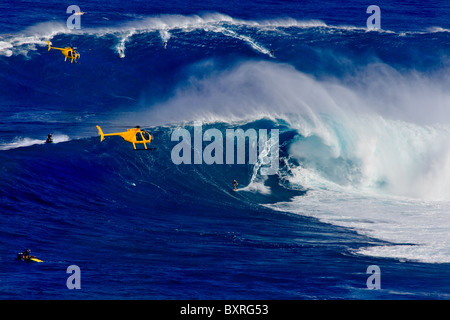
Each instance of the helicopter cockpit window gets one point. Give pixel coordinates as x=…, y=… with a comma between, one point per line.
x=138, y=136
x=145, y=135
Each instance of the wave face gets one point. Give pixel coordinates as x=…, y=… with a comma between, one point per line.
x=364, y=132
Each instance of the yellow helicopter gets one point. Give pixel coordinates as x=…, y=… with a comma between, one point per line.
x=68, y=52
x=134, y=135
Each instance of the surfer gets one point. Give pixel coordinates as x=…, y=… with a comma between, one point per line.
x=235, y=185
x=49, y=138
x=165, y=44
x=24, y=255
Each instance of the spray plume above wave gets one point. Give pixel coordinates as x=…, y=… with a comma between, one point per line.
x=365, y=158
x=350, y=133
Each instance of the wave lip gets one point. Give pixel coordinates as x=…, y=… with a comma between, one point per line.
x=22, y=42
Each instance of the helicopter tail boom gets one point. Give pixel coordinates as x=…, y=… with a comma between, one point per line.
x=103, y=135
x=50, y=47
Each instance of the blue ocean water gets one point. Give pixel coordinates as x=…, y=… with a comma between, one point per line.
x=364, y=150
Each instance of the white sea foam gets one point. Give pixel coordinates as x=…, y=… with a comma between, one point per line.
x=437, y=29
x=415, y=229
